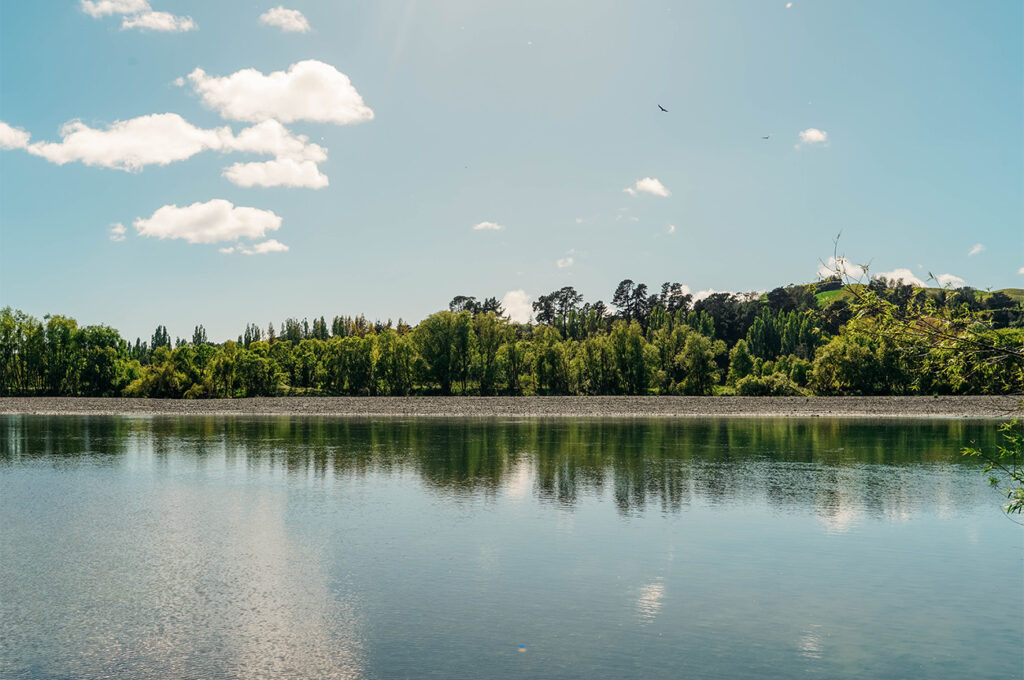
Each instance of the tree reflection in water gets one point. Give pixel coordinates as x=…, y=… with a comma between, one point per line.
x=832, y=465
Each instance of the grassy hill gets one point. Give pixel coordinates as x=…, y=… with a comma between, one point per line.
x=844, y=293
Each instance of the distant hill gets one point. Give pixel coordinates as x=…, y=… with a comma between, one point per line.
x=844, y=293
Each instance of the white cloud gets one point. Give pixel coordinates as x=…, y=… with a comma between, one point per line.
x=117, y=231
x=788, y=5
x=812, y=136
x=648, y=185
x=566, y=261
x=228, y=250
x=295, y=164
x=702, y=294
x=274, y=139
x=517, y=306
x=289, y=20
x=950, y=281
x=271, y=246
x=157, y=139
x=975, y=249
x=101, y=8
x=1021, y=270
x=670, y=229
x=902, y=274
x=138, y=14
x=283, y=172
x=842, y=266
x=12, y=137
x=210, y=222
x=308, y=90
x=159, y=21
x=488, y=226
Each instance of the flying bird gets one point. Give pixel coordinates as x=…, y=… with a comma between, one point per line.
x=662, y=108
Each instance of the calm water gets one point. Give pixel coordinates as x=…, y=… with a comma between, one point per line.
x=330, y=548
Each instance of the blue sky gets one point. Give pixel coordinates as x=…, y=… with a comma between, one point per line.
x=535, y=116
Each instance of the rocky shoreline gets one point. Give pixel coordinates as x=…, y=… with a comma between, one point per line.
x=529, y=407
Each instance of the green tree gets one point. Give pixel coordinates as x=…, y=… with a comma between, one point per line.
x=741, y=364
x=698, y=362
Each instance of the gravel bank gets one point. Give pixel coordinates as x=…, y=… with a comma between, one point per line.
x=569, y=407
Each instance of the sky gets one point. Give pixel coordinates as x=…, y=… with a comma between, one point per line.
x=180, y=162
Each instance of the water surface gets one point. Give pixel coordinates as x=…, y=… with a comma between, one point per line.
x=340, y=548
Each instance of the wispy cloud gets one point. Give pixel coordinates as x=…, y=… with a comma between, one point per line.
x=270, y=246
x=568, y=260
x=488, y=226
x=648, y=185
x=159, y=21
x=288, y=20
x=975, y=249
x=117, y=231
x=138, y=14
x=670, y=229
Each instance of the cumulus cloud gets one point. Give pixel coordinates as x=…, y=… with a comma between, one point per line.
x=517, y=306
x=975, y=249
x=842, y=266
x=648, y=185
x=274, y=139
x=309, y=90
x=950, y=281
x=271, y=246
x=138, y=14
x=901, y=274
x=283, y=172
x=159, y=139
x=210, y=222
x=288, y=20
x=488, y=226
x=12, y=137
x=812, y=136
x=702, y=294
x=117, y=231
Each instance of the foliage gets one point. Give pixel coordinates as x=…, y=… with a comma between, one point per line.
x=874, y=338
x=773, y=385
x=1008, y=461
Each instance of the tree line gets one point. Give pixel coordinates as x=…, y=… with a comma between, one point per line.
x=784, y=342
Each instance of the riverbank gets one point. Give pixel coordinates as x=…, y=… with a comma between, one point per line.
x=515, y=407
